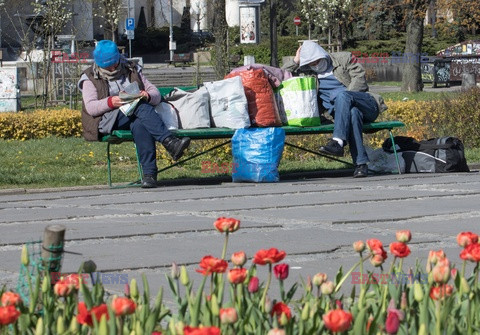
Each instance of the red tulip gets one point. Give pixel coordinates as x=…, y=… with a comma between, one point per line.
x=210, y=264
x=84, y=316
x=441, y=272
x=8, y=314
x=253, y=285
x=123, y=306
x=281, y=308
x=392, y=323
x=359, y=246
x=319, y=279
x=399, y=249
x=471, y=253
x=466, y=238
x=237, y=276
x=281, y=271
x=376, y=248
x=74, y=280
x=228, y=315
x=270, y=256
x=439, y=292
x=435, y=256
x=10, y=298
x=338, y=320
x=377, y=260
x=403, y=236
x=224, y=224
x=201, y=331
x=239, y=258
x=63, y=288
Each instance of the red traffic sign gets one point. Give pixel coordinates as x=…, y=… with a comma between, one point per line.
x=296, y=20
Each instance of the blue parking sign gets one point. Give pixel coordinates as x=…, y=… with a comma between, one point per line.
x=130, y=23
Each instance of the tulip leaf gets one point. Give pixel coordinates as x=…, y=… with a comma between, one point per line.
x=87, y=297
x=112, y=324
x=291, y=292
x=146, y=287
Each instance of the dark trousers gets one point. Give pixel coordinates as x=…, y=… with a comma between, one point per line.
x=147, y=127
x=352, y=109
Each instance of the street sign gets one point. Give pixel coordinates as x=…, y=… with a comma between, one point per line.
x=130, y=23
x=296, y=20
x=130, y=34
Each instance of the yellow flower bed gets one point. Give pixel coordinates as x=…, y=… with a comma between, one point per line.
x=40, y=124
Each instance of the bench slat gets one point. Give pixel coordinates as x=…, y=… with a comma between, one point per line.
x=212, y=133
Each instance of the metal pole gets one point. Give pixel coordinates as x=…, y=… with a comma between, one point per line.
x=171, y=30
x=129, y=40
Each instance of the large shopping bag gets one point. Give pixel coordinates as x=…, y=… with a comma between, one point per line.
x=193, y=108
x=299, y=100
x=261, y=100
x=228, y=103
x=256, y=154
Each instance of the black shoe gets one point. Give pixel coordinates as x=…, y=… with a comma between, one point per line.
x=332, y=148
x=361, y=171
x=176, y=146
x=149, y=181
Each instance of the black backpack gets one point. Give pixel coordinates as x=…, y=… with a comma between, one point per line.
x=446, y=149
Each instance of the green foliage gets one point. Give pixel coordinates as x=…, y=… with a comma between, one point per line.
x=461, y=116
x=151, y=39
x=287, y=46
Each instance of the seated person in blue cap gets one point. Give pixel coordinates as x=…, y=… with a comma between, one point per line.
x=101, y=84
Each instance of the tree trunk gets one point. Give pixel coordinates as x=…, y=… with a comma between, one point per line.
x=433, y=17
x=411, y=76
x=273, y=34
x=219, y=24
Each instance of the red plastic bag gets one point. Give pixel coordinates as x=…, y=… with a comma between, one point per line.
x=262, y=108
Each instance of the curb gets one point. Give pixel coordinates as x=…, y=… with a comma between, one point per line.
x=201, y=181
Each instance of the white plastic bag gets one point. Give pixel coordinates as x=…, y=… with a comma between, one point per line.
x=228, y=103
x=193, y=108
x=168, y=114
x=299, y=99
x=384, y=162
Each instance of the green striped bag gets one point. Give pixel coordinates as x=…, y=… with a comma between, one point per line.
x=298, y=97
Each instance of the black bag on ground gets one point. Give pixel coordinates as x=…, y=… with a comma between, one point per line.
x=449, y=153
x=443, y=154
x=402, y=143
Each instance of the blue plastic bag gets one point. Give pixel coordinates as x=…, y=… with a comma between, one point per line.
x=256, y=154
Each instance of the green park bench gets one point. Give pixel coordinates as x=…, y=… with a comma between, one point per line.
x=120, y=136
x=181, y=58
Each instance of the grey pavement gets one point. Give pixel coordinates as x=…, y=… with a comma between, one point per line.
x=315, y=219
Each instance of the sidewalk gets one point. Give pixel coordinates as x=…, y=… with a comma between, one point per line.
x=132, y=231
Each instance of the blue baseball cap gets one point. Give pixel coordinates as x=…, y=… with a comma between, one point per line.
x=106, y=53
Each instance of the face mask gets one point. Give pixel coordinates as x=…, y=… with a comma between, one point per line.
x=320, y=67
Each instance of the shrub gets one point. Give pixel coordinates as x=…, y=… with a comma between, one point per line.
x=450, y=116
x=40, y=124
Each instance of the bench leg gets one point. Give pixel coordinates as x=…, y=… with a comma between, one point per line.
x=394, y=150
x=139, y=167
x=109, y=170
